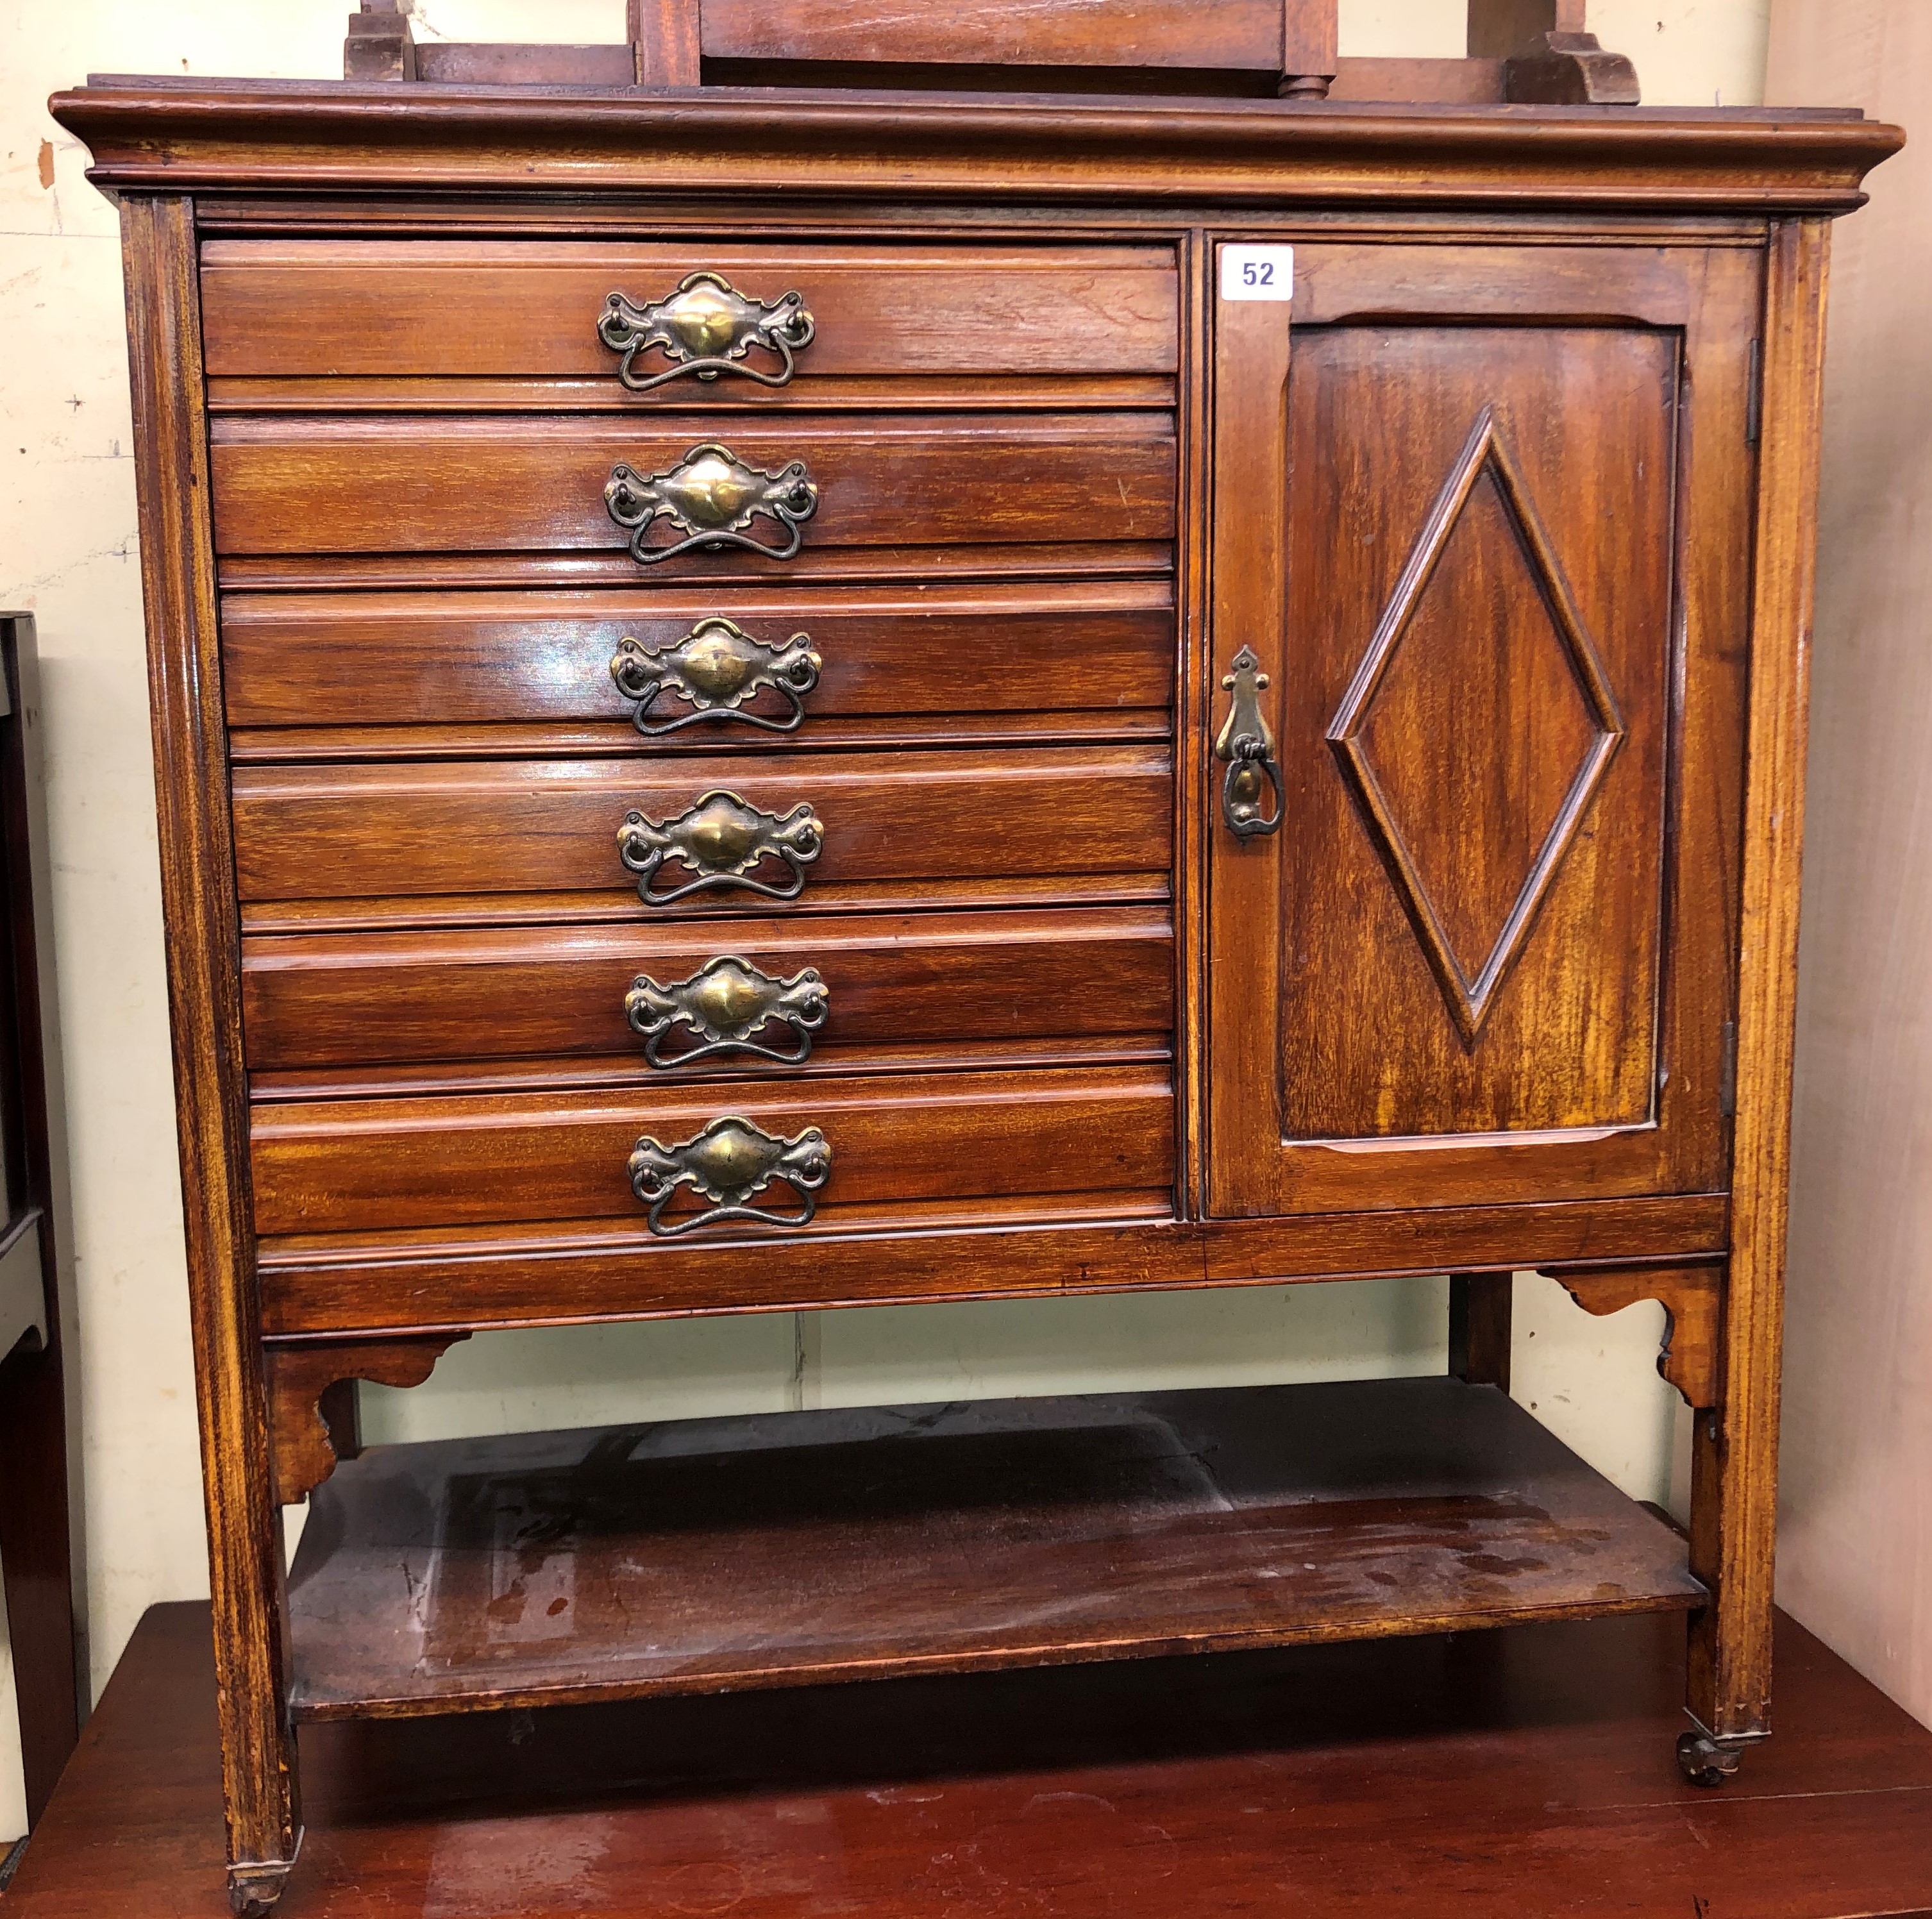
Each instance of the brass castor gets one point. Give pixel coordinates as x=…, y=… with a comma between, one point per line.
x=254, y=1887
x=1706, y=1761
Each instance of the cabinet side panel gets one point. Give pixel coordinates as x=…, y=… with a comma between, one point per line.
x=1735, y=1493
x=203, y=956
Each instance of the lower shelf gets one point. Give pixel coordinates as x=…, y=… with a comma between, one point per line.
x=791, y=1548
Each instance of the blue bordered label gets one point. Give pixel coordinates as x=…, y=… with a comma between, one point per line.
x=1258, y=273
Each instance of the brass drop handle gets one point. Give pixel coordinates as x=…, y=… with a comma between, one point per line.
x=729, y=1164
x=723, y=1007
x=721, y=841
x=716, y=670
x=1247, y=747
x=711, y=497
x=705, y=328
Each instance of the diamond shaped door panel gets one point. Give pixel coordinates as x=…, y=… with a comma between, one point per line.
x=1479, y=611
x=1478, y=725
x=1467, y=542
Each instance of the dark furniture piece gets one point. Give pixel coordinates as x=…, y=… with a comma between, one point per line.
x=1499, y=1772
x=785, y=698
x=37, y=1554
x=1524, y=51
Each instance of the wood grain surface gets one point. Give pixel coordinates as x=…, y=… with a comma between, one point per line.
x=1479, y=709
x=1455, y=885
x=1734, y=1474
x=246, y=1556
x=783, y=1549
x=318, y=486
x=367, y=999
x=314, y=1416
x=401, y=659
x=350, y=310
x=481, y=1159
x=1073, y=1242
x=327, y=832
x=339, y=140
x=1399, y=1780
x=1450, y=840
x=1143, y=33
x=1013, y=562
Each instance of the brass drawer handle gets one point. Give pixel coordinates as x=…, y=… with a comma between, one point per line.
x=1248, y=747
x=729, y=1163
x=723, y=1004
x=721, y=838
x=711, y=495
x=716, y=669
x=706, y=328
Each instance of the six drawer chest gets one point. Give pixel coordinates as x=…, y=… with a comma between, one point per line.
x=831, y=657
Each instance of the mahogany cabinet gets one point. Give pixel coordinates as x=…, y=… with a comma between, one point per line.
x=769, y=700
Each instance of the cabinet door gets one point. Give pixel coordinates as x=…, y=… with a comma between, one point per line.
x=1481, y=517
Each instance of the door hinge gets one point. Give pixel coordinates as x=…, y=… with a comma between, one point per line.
x=1754, y=398
x=1727, y=1073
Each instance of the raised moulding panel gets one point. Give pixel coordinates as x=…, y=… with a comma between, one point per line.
x=1478, y=726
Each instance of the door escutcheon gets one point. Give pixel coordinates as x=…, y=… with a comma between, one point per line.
x=1247, y=747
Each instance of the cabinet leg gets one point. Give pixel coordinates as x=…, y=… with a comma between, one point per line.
x=1732, y=1488
x=258, y=1740
x=1479, y=1327
x=244, y=1527
x=1734, y=1478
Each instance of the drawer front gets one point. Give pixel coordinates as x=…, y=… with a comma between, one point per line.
x=322, y=1001
x=526, y=826
x=316, y=660
x=347, y=309
x=392, y=1165
x=311, y=487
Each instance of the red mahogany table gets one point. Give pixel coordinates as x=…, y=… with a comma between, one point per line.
x=1522, y=1772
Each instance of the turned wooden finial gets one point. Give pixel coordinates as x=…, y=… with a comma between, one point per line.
x=1308, y=41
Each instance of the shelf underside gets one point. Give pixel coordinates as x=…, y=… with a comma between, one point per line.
x=790, y=1548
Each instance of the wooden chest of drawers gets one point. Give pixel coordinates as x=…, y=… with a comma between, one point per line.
x=870, y=725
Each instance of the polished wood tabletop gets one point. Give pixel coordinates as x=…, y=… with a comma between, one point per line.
x=1527, y=1772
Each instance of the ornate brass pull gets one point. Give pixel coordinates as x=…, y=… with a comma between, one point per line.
x=729, y=1163
x=721, y=839
x=1248, y=747
x=712, y=496
x=723, y=1004
x=715, y=669
x=706, y=328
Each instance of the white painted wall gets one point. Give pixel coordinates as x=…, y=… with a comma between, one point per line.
x=67, y=553
x=1854, y=1520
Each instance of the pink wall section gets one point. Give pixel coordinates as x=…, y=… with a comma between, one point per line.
x=1854, y=1544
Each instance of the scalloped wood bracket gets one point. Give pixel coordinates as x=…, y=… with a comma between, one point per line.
x=1693, y=1298
x=1549, y=58
x=312, y=1418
